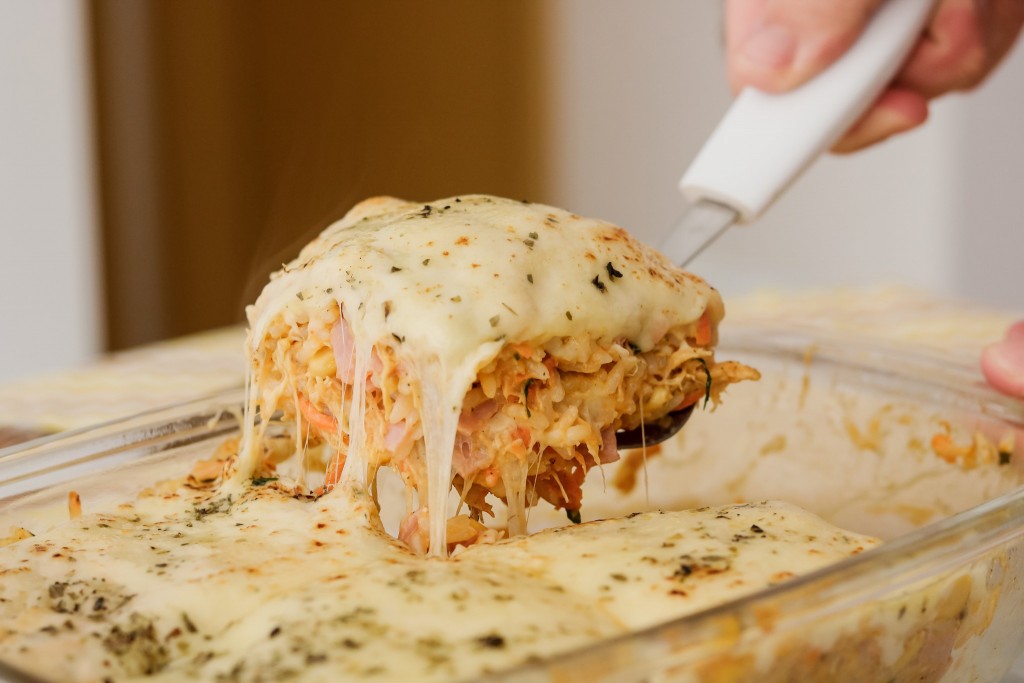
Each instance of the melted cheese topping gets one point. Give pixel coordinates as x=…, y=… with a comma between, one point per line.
x=263, y=586
x=448, y=284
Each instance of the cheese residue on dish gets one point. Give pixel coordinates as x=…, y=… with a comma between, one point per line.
x=264, y=584
x=487, y=342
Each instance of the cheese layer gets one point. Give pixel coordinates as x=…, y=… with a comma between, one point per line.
x=452, y=277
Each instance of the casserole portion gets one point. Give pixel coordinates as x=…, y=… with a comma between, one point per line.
x=487, y=344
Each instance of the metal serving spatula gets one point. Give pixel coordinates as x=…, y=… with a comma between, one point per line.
x=765, y=141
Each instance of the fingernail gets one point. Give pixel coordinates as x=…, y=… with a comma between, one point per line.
x=770, y=47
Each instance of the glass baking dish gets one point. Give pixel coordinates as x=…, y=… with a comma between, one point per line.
x=906, y=446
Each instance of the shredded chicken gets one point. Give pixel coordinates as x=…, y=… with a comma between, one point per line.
x=538, y=418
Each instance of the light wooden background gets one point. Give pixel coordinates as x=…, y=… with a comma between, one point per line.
x=230, y=132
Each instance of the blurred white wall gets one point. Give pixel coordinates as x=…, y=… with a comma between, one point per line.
x=635, y=88
x=49, y=292
x=988, y=152
x=638, y=86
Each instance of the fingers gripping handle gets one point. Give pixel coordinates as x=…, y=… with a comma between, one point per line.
x=765, y=141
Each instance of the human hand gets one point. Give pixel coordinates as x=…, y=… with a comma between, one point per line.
x=1002, y=363
x=776, y=45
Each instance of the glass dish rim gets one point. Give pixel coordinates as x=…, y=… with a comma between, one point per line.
x=898, y=562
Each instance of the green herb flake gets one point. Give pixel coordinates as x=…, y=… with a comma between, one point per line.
x=491, y=640
x=494, y=320
x=426, y=262
x=396, y=269
x=707, y=383
x=1004, y=457
x=456, y=299
x=597, y=283
x=534, y=235
x=219, y=506
x=526, y=395
x=262, y=481
x=529, y=278
x=612, y=273
x=568, y=315
x=573, y=515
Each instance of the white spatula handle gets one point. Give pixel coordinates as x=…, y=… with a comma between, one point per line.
x=765, y=141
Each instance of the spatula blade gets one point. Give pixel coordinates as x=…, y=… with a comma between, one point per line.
x=701, y=225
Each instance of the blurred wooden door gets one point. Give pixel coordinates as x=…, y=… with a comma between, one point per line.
x=230, y=132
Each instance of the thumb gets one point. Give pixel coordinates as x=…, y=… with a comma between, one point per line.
x=776, y=45
x=1003, y=362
